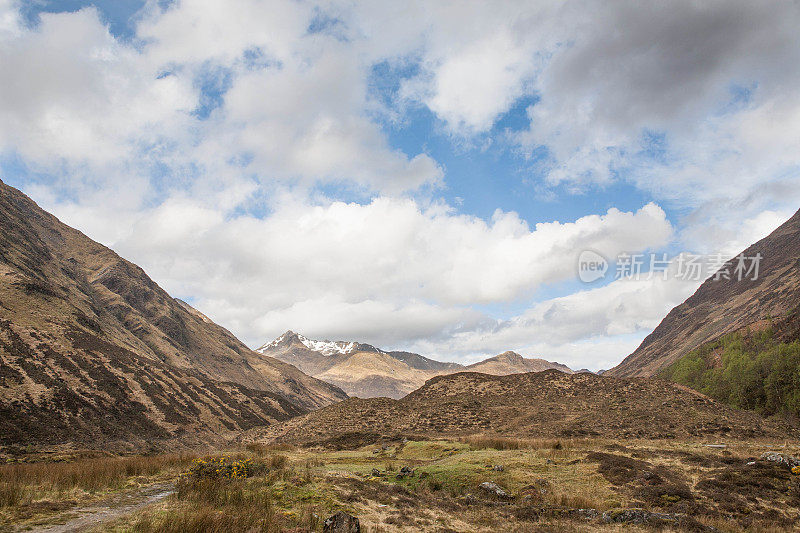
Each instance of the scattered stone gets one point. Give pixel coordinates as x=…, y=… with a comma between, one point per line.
x=638, y=516
x=781, y=458
x=377, y=473
x=587, y=514
x=498, y=468
x=643, y=517
x=550, y=462
x=751, y=463
x=494, y=489
x=405, y=472
x=720, y=446
x=341, y=522
x=376, y=451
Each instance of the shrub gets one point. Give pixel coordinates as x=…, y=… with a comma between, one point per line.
x=221, y=468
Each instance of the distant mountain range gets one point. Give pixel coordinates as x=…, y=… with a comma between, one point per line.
x=93, y=352
x=366, y=371
x=722, y=306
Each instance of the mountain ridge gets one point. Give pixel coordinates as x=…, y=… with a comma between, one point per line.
x=95, y=352
x=366, y=371
x=722, y=306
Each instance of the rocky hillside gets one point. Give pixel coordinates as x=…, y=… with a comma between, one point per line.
x=93, y=351
x=543, y=404
x=723, y=306
x=365, y=371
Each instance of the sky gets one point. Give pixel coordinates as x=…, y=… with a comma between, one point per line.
x=416, y=175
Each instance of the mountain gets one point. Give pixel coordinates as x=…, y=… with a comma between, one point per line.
x=359, y=369
x=724, y=306
x=94, y=352
x=513, y=363
x=543, y=404
x=365, y=371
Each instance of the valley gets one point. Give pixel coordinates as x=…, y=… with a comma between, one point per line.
x=124, y=409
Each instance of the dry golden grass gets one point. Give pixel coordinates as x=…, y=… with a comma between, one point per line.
x=484, y=442
x=260, y=449
x=21, y=483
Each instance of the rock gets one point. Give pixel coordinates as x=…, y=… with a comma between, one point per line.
x=498, y=468
x=376, y=472
x=341, y=522
x=384, y=447
x=642, y=516
x=751, y=463
x=405, y=472
x=781, y=458
x=550, y=462
x=637, y=516
x=494, y=489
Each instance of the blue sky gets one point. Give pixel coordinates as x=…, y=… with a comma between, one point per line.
x=419, y=176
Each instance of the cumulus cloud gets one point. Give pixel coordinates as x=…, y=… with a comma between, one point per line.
x=686, y=97
x=387, y=271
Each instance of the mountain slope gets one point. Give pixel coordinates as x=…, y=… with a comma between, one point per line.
x=513, y=363
x=543, y=404
x=723, y=306
x=93, y=350
x=366, y=371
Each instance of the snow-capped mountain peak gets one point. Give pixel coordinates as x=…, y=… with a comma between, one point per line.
x=324, y=347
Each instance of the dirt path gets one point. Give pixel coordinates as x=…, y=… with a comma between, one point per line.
x=116, y=507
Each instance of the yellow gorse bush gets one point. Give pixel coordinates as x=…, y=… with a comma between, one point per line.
x=219, y=468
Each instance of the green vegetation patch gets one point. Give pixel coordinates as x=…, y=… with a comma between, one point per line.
x=753, y=371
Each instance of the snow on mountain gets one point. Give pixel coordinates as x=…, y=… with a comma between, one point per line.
x=324, y=347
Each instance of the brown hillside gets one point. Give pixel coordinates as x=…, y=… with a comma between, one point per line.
x=94, y=351
x=723, y=306
x=544, y=404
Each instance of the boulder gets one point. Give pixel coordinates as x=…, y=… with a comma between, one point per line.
x=781, y=458
x=494, y=489
x=341, y=522
x=405, y=472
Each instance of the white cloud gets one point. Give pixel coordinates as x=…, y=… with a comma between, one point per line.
x=71, y=92
x=385, y=272
x=589, y=328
